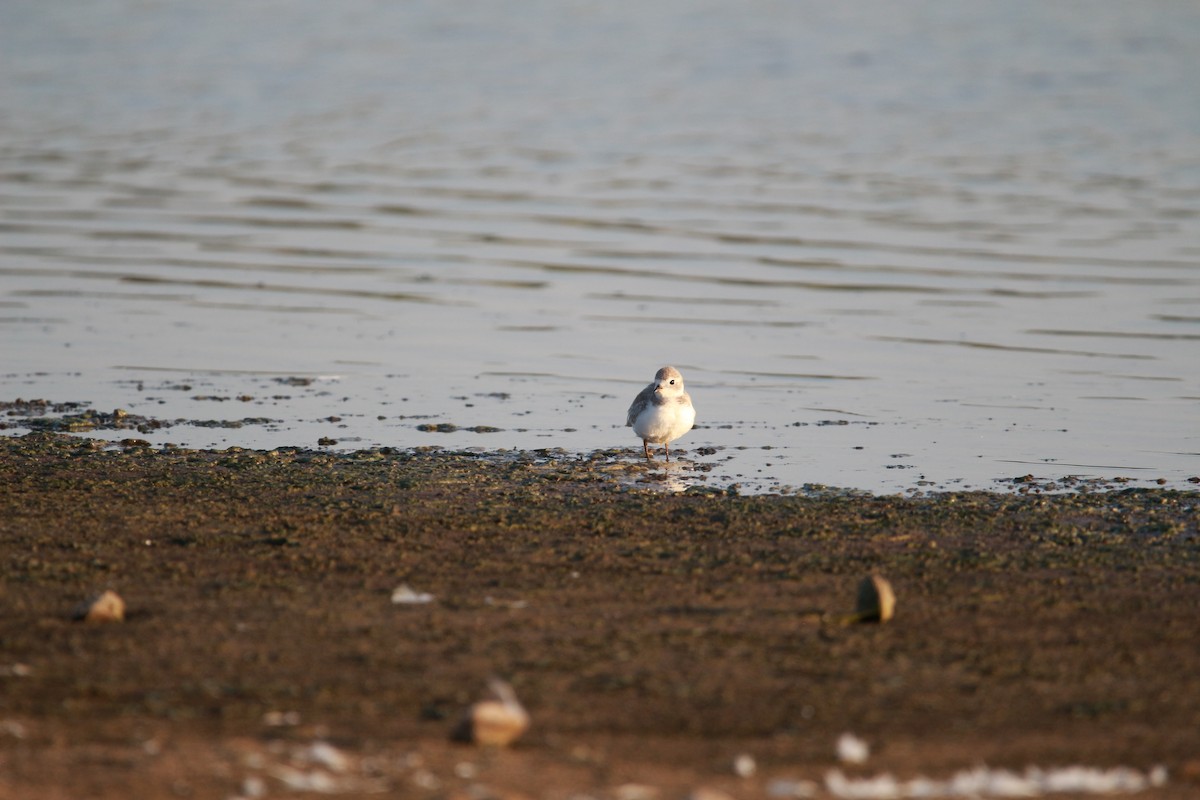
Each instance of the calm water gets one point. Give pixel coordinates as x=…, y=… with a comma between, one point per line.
x=891, y=246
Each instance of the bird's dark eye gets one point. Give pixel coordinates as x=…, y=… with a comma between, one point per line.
x=672, y=381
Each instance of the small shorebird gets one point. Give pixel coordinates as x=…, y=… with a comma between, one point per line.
x=662, y=412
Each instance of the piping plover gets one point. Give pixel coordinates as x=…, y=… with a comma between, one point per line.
x=662, y=412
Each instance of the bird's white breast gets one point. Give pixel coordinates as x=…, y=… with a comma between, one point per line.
x=666, y=422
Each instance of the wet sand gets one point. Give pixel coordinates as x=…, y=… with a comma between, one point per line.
x=654, y=638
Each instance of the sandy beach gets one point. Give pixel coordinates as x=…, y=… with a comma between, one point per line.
x=664, y=645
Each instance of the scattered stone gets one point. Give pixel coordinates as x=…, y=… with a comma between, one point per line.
x=494, y=723
x=226, y=423
x=876, y=600
x=450, y=427
x=105, y=607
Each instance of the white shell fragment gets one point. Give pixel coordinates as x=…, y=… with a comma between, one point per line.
x=404, y=595
x=105, y=607
x=787, y=787
x=851, y=749
x=980, y=782
x=744, y=766
x=280, y=719
x=494, y=723
x=708, y=793
x=876, y=600
x=325, y=755
x=636, y=791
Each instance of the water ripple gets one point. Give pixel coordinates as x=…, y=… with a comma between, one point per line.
x=912, y=247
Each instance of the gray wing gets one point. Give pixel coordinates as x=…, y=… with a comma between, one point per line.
x=645, y=397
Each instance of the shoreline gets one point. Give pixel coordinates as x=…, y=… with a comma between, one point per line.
x=709, y=469
x=653, y=637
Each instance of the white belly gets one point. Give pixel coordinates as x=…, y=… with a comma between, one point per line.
x=665, y=423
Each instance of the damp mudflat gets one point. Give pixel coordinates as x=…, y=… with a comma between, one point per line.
x=300, y=620
x=891, y=248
